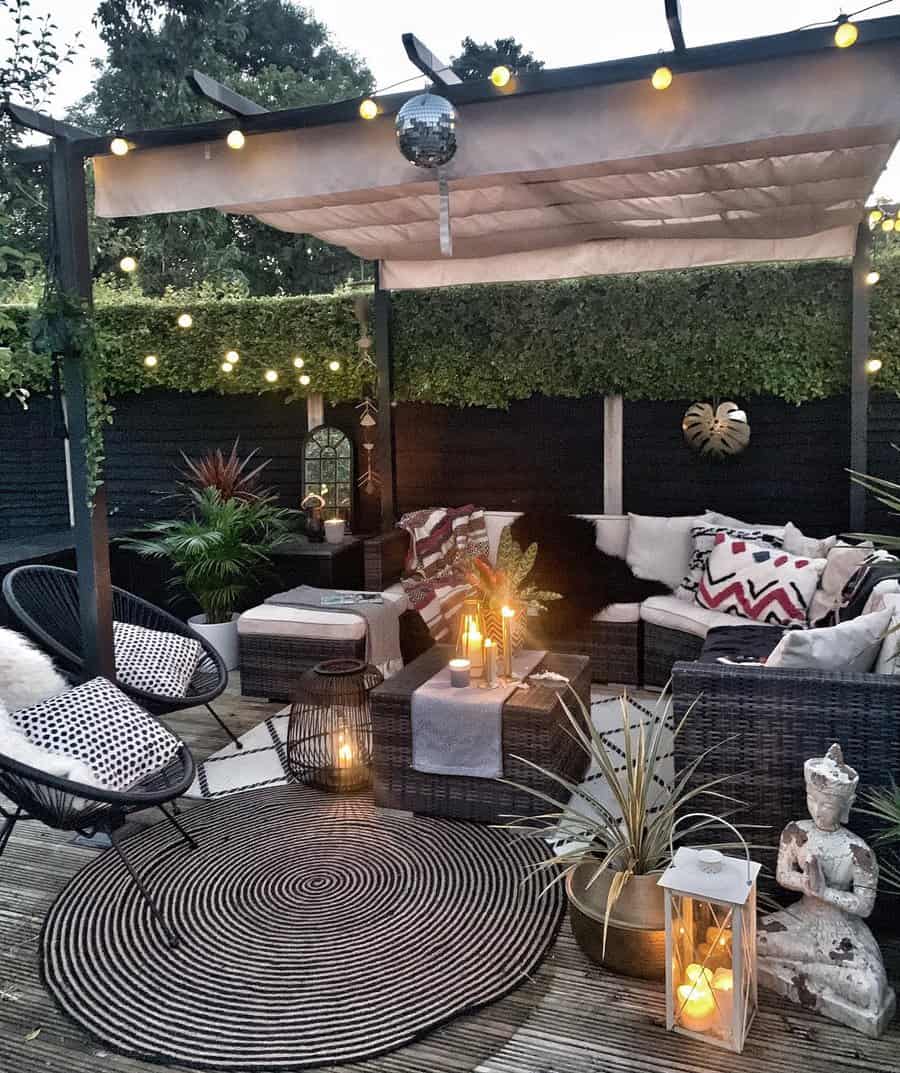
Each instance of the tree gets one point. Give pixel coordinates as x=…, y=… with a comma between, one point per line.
x=271, y=51
x=478, y=60
x=31, y=62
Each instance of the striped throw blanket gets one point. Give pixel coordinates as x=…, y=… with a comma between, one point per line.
x=442, y=543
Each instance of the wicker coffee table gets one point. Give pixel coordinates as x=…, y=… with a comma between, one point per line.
x=534, y=726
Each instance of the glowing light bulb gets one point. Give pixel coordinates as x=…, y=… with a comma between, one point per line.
x=875, y=217
x=368, y=109
x=846, y=33
x=661, y=78
x=334, y=366
x=119, y=147
x=185, y=320
x=304, y=380
x=128, y=264
x=872, y=277
x=235, y=139
x=151, y=361
x=271, y=376
x=226, y=366
x=873, y=365
x=888, y=224
x=299, y=363
x=500, y=76
x=233, y=357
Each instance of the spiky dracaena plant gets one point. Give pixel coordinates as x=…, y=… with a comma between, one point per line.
x=883, y=802
x=888, y=494
x=505, y=583
x=220, y=552
x=230, y=475
x=634, y=837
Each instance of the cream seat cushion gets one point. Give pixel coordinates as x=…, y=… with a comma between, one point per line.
x=674, y=614
x=275, y=620
x=619, y=613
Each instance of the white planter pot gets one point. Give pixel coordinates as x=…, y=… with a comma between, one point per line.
x=223, y=636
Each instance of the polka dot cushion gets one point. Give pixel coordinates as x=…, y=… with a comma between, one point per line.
x=154, y=661
x=98, y=724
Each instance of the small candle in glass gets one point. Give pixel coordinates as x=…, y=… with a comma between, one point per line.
x=460, y=672
x=507, y=614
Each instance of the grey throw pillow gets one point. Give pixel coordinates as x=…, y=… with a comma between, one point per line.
x=849, y=646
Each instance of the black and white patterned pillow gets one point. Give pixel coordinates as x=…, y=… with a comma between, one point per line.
x=704, y=538
x=154, y=661
x=98, y=724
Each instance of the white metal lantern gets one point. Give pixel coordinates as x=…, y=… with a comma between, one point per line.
x=710, y=904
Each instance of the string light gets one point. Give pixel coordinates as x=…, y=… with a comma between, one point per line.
x=875, y=217
x=185, y=320
x=226, y=367
x=872, y=277
x=128, y=264
x=119, y=147
x=232, y=357
x=500, y=76
x=873, y=365
x=661, y=78
x=888, y=223
x=368, y=109
x=846, y=33
x=304, y=380
x=271, y=376
x=151, y=361
x=299, y=363
x=334, y=366
x=235, y=139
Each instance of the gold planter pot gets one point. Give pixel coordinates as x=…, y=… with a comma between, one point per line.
x=636, y=937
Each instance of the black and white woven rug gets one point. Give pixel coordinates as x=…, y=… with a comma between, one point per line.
x=314, y=930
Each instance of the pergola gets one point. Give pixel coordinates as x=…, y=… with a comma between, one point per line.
x=760, y=150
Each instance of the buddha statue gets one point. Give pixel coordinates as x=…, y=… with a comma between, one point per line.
x=819, y=952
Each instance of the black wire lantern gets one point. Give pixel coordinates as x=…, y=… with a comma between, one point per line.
x=330, y=728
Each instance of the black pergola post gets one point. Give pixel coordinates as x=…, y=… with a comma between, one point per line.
x=70, y=248
x=859, y=379
x=385, y=428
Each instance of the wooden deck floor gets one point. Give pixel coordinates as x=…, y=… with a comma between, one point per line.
x=571, y=1018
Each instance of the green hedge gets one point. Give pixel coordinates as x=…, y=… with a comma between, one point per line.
x=781, y=330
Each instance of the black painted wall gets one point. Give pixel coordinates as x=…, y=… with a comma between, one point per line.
x=541, y=453
x=793, y=469
x=33, y=494
x=884, y=461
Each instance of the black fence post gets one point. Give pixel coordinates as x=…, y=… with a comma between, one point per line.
x=859, y=380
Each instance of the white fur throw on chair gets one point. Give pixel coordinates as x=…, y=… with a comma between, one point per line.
x=27, y=676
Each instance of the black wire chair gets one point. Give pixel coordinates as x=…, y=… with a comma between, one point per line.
x=70, y=806
x=45, y=601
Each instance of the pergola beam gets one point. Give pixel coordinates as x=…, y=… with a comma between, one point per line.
x=223, y=97
x=43, y=124
x=442, y=74
x=673, y=18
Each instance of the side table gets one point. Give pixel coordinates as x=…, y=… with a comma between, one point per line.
x=534, y=727
x=298, y=561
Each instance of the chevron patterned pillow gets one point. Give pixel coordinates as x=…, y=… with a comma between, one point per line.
x=756, y=582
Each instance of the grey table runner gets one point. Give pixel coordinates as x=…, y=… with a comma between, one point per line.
x=460, y=731
x=382, y=620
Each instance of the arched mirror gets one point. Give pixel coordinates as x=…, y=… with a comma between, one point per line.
x=328, y=470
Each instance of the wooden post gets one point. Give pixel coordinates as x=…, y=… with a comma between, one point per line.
x=384, y=447
x=612, y=454
x=70, y=246
x=859, y=380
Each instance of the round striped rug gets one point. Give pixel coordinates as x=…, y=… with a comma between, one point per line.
x=313, y=929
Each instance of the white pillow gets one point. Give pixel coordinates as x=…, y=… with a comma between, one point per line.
x=660, y=548
x=704, y=535
x=888, y=661
x=842, y=561
x=27, y=675
x=712, y=517
x=849, y=646
x=155, y=661
x=798, y=544
x=761, y=583
x=98, y=724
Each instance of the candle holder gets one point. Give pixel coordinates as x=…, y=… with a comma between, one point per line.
x=507, y=614
x=470, y=635
x=711, y=979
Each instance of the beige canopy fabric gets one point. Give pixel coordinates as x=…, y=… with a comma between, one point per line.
x=762, y=161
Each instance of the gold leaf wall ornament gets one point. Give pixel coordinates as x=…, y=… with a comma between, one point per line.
x=721, y=431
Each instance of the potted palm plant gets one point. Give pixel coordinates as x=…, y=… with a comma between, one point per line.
x=218, y=555
x=610, y=852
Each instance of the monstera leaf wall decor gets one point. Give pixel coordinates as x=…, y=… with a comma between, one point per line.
x=718, y=431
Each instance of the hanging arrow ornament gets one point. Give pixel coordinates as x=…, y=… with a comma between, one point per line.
x=426, y=134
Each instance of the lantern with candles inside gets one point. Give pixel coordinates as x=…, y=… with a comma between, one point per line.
x=330, y=728
x=710, y=905
x=470, y=636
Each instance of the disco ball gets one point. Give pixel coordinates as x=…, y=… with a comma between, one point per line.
x=426, y=130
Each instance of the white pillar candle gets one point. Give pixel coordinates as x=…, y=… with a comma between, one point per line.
x=334, y=530
x=490, y=662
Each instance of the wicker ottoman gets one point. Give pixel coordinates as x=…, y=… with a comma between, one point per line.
x=278, y=643
x=534, y=726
